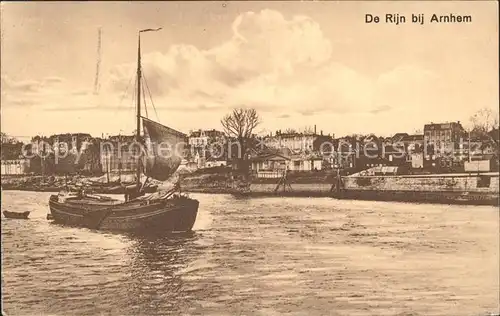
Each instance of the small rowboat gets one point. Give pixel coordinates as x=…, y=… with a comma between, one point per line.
x=23, y=215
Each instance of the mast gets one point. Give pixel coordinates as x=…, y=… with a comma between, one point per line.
x=108, y=162
x=98, y=66
x=120, y=162
x=138, y=130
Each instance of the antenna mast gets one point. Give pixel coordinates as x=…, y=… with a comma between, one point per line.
x=98, y=66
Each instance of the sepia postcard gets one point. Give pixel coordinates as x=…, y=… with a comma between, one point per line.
x=250, y=158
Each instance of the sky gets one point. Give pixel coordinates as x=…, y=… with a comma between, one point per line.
x=299, y=64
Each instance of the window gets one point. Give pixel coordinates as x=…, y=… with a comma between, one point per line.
x=483, y=181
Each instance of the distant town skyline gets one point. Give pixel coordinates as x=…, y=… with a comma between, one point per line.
x=297, y=63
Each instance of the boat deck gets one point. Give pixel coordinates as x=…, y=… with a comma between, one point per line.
x=93, y=201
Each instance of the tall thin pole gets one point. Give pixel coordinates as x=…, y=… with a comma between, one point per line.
x=469, y=147
x=108, y=163
x=138, y=131
x=99, y=53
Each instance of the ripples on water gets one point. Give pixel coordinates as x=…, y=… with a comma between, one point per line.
x=259, y=257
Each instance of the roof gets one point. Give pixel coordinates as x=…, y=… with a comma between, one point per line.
x=442, y=126
x=413, y=138
x=269, y=157
x=369, y=138
x=206, y=133
x=399, y=136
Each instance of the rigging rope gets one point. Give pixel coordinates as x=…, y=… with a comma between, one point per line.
x=125, y=93
x=151, y=98
x=144, y=95
x=134, y=96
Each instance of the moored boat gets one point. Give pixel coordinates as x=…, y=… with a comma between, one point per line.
x=118, y=189
x=176, y=213
x=16, y=215
x=163, y=211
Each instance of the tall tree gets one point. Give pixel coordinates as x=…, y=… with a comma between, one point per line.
x=11, y=147
x=484, y=123
x=6, y=139
x=308, y=130
x=239, y=125
x=484, y=120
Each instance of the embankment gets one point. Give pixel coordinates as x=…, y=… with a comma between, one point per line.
x=297, y=184
x=36, y=183
x=471, y=189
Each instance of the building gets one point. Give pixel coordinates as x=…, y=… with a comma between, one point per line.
x=300, y=142
x=15, y=167
x=441, y=141
x=207, y=145
x=413, y=143
x=347, y=151
x=403, y=149
x=120, y=153
x=59, y=154
x=443, y=136
x=11, y=150
x=272, y=163
x=398, y=137
x=91, y=157
x=215, y=163
x=417, y=161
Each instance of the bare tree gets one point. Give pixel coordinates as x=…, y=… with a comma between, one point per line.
x=239, y=125
x=290, y=131
x=6, y=139
x=483, y=123
x=309, y=130
x=484, y=120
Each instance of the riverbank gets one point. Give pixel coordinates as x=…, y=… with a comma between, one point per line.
x=468, y=189
x=465, y=189
x=37, y=183
x=54, y=183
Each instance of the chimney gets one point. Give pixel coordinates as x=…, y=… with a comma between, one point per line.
x=320, y=132
x=314, y=129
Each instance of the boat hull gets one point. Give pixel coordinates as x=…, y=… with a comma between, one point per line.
x=16, y=215
x=119, y=190
x=171, y=215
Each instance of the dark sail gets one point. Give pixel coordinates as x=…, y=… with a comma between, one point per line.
x=164, y=150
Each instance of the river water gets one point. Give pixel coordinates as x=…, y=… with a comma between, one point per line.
x=269, y=256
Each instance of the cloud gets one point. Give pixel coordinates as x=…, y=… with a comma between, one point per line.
x=53, y=80
x=380, y=109
x=283, y=116
x=271, y=62
x=19, y=86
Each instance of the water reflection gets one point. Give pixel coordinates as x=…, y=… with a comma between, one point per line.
x=155, y=262
x=258, y=257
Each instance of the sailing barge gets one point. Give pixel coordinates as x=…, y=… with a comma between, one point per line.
x=163, y=211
